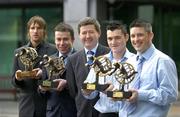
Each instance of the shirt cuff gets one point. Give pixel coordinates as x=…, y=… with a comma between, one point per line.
x=92, y=95
x=142, y=95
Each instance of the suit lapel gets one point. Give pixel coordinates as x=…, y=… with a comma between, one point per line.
x=83, y=61
x=99, y=51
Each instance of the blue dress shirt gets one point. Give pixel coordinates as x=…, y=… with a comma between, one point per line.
x=158, y=86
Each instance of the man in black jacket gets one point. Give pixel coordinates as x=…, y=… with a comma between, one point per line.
x=59, y=102
x=31, y=103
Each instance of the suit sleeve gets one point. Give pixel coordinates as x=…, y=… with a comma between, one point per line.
x=70, y=77
x=15, y=82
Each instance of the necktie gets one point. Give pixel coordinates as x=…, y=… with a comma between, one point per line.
x=140, y=61
x=64, y=58
x=90, y=55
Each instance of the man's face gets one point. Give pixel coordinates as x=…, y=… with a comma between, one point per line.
x=117, y=41
x=63, y=41
x=36, y=33
x=89, y=36
x=140, y=39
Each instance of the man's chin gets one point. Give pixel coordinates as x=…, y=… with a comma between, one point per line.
x=63, y=51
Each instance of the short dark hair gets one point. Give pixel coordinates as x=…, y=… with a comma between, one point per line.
x=141, y=23
x=89, y=21
x=63, y=27
x=113, y=25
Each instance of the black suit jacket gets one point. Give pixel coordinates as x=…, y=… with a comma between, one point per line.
x=76, y=74
x=60, y=104
x=31, y=103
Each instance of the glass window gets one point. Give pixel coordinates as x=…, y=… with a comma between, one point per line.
x=13, y=31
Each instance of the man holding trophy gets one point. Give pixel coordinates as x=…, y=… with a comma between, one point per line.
x=59, y=102
x=117, y=38
x=155, y=86
x=26, y=70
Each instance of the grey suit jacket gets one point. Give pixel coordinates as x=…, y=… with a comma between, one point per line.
x=76, y=74
x=30, y=101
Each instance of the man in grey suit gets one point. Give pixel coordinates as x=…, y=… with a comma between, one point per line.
x=31, y=103
x=89, y=33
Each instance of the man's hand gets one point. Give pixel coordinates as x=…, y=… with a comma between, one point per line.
x=44, y=88
x=86, y=91
x=18, y=78
x=134, y=96
x=109, y=88
x=61, y=84
x=39, y=73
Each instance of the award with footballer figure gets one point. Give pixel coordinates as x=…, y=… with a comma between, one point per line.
x=27, y=56
x=102, y=67
x=124, y=74
x=55, y=68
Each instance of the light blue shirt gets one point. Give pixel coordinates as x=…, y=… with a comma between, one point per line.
x=106, y=104
x=158, y=85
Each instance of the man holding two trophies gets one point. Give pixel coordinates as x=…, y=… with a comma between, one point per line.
x=117, y=38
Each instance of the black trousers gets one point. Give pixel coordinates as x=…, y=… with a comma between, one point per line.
x=108, y=115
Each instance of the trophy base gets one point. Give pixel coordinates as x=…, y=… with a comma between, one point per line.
x=48, y=83
x=119, y=94
x=92, y=86
x=27, y=74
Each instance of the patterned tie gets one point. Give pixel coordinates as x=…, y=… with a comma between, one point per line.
x=90, y=55
x=64, y=58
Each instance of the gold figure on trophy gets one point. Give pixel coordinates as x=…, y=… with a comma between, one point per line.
x=102, y=67
x=124, y=74
x=55, y=68
x=27, y=56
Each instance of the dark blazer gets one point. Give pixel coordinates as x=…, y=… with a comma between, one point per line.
x=60, y=104
x=76, y=74
x=31, y=103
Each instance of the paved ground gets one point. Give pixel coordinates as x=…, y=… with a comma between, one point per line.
x=9, y=107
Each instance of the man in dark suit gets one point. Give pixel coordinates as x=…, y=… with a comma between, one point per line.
x=89, y=33
x=31, y=103
x=59, y=102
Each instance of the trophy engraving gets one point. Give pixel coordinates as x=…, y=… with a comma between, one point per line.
x=55, y=68
x=124, y=74
x=27, y=56
x=102, y=67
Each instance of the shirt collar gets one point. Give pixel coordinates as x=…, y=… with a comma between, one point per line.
x=147, y=54
x=126, y=55
x=70, y=52
x=94, y=49
x=39, y=46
